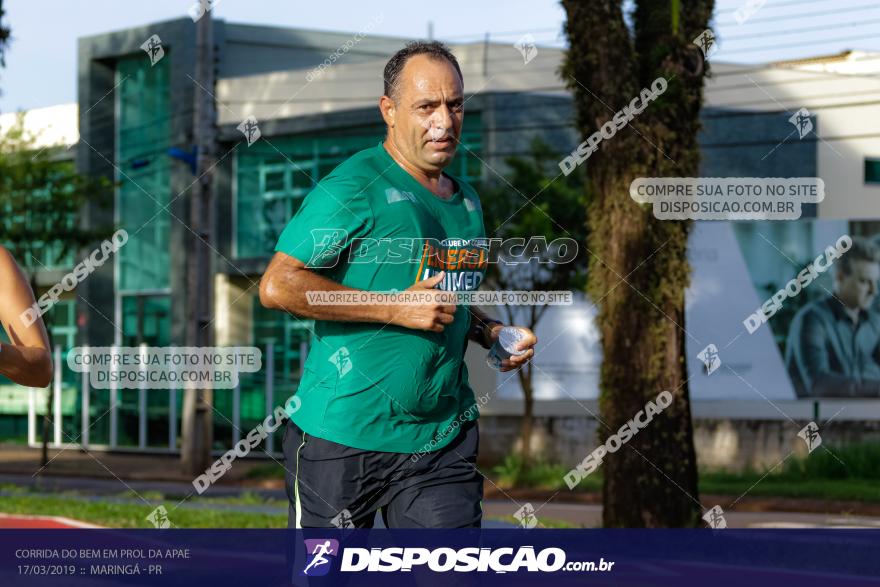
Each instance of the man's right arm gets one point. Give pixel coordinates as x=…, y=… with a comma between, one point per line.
x=287, y=281
x=25, y=360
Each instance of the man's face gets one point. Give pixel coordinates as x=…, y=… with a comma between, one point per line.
x=858, y=288
x=428, y=112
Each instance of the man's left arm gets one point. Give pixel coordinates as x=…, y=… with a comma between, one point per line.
x=484, y=331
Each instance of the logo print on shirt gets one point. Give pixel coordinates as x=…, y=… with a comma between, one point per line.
x=395, y=195
x=464, y=262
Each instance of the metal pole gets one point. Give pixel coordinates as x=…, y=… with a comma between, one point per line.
x=32, y=416
x=486, y=56
x=86, y=407
x=172, y=411
x=197, y=407
x=142, y=401
x=236, y=405
x=114, y=397
x=56, y=408
x=172, y=419
x=270, y=391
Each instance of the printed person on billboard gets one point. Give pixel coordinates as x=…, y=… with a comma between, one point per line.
x=26, y=359
x=833, y=347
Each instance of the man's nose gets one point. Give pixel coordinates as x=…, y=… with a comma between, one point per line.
x=443, y=117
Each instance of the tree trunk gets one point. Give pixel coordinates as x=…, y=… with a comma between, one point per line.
x=638, y=268
x=650, y=482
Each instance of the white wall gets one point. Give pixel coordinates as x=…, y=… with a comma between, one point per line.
x=54, y=125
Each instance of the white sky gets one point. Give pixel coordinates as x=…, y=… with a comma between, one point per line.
x=41, y=61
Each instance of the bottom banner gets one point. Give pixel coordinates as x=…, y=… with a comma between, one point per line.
x=435, y=557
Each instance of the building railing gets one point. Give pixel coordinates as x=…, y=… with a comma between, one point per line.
x=70, y=431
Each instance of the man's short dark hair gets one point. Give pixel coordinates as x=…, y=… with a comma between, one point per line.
x=862, y=250
x=394, y=67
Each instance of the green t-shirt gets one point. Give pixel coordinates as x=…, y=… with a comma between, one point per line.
x=374, y=386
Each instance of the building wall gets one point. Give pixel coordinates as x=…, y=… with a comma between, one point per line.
x=233, y=311
x=52, y=126
x=252, y=50
x=512, y=121
x=841, y=95
x=841, y=163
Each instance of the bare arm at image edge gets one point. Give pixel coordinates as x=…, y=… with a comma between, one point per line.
x=26, y=359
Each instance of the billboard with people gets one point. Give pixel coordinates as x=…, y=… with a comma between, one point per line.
x=789, y=310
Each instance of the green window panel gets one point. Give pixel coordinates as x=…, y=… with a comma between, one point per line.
x=99, y=416
x=62, y=323
x=872, y=170
x=222, y=420
x=289, y=337
x=61, y=320
x=273, y=177
x=146, y=319
x=144, y=174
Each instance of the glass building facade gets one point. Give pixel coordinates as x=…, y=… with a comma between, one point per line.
x=266, y=184
x=273, y=177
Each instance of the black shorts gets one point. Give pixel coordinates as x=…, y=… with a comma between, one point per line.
x=332, y=485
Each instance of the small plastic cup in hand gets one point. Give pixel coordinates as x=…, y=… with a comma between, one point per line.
x=505, y=346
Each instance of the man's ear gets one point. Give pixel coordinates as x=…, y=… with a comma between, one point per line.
x=387, y=108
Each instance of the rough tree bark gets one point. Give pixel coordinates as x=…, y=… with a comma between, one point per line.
x=638, y=266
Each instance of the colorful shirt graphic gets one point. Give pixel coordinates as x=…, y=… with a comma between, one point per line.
x=464, y=262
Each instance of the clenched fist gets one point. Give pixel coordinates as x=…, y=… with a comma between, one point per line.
x=433, y=310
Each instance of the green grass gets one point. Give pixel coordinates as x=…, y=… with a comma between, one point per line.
x=541, y=475
x=849, y=472
x=265, y=471
x=249, y=498
x=118, y=515
x=853, y=461
x=865, y=490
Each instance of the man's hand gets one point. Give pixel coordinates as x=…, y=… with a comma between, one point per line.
x=433, y=314
x=528, y=344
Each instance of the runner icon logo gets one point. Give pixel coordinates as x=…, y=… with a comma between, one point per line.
x=810, y=435
x=710, y=358
x=320, y=553
x=342, y=360
x=715, y=518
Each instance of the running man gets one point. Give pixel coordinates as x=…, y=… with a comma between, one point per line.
x=388, y=418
